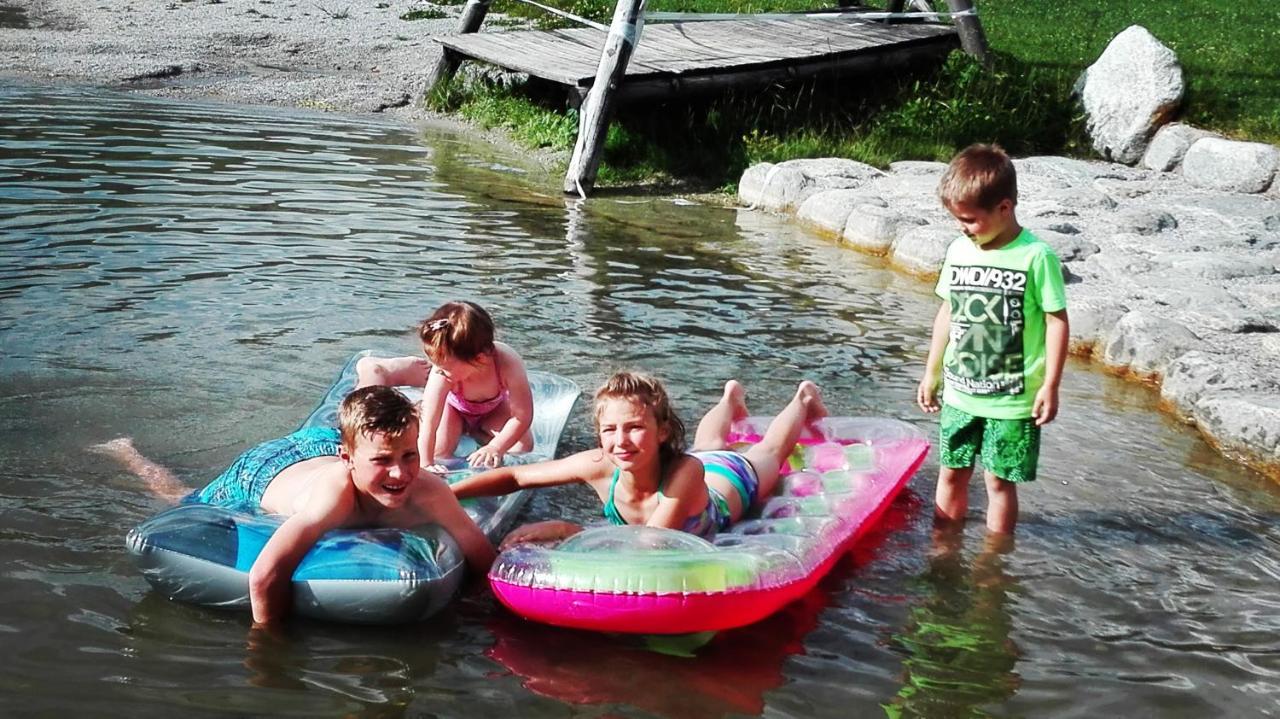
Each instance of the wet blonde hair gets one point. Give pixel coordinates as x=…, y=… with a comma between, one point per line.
x=981, y=175
x=648, y=391
x=462, y=330
x=377, y=408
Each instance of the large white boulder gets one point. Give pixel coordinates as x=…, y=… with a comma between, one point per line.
x=1132, y=89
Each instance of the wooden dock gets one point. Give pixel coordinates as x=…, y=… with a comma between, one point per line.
x=684, y=58
x=603, y=67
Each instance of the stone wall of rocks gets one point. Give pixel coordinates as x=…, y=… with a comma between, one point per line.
x=1172, y=271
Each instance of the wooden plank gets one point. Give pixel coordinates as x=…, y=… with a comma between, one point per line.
x=570, y=56
x=656, y=87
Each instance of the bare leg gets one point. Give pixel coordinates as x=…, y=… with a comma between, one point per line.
x=780, y=438
x=448, y=434
x=392, y=372
x=713, y=428
x=1002, y=505
x=951, y=500
x=493, y=423
x=159, y=479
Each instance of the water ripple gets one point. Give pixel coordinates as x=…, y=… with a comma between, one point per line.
x=194, y=275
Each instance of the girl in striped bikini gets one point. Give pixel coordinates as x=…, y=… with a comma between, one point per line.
x=641, y=471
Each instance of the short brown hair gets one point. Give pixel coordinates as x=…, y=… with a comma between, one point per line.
x=462, y=330
x=981, y=175
x=647, y=390
x=373, y=409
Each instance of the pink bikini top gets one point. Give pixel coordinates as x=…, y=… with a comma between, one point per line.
x=478, y=408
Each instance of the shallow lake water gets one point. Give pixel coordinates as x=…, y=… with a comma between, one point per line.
x=193, y=276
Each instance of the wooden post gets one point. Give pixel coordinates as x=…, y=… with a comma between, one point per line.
x=972, y=37
x=593, y=121
x=472, y=16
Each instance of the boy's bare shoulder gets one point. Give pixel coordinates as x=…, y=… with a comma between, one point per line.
x=429, y=492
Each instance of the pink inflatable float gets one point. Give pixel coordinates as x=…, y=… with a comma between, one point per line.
x=644, y=580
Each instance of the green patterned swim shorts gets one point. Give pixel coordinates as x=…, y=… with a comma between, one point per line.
x=1010, y=448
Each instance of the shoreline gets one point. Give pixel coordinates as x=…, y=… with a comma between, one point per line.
x=1154, y=295
x=359, y=60
x=1169, y=284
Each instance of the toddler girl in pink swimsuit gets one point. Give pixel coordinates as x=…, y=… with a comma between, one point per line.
x=472, y=385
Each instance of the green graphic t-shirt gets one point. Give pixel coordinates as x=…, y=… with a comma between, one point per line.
x=994, y=363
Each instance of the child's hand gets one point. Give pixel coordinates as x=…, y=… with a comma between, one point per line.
x=552, y=530
x=1045, y=408
x=927, y=393
x=486, y=456
x=436, y=468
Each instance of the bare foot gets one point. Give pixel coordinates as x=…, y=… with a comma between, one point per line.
x=811, y=397
x=735, y=396
x=160, y=480
x=118, y=447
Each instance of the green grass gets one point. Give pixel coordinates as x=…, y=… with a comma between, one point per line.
x=1230, y=56
x=1230, y=52
x=429, y=13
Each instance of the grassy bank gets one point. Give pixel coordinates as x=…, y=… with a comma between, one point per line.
x=1230, y=55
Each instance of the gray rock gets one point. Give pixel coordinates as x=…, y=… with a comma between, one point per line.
x=874, y=229
x=1143, y=220
x=829, y=210
x=786, y=185
x=1126, y=189
x=1144, y=344
x=1210, y=266
x=1041, y=208
x=1081, y=198
x=834, y=172
x=751, y=184
x=1132, y=89
x=1170, y=145
x=1062, y=171
x=1243, y=422
x=1119, y=266
x=783, y=188
x=922, y=249
x=1091, y=322
x=1064, y=228
x=1209, y=307
x=918, y=167
x=1068, y=247
x=1230, y=165
x=1195, y=375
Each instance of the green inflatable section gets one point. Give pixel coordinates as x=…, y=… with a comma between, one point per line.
x=654, y=572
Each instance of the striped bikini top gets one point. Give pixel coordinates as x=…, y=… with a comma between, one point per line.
x=705, y=524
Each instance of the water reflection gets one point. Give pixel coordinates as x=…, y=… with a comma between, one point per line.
x=680, y=677
x=959, y=656
x=727, y=676
x=310, y=667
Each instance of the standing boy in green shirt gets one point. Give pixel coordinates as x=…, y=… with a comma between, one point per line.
x=999, y=340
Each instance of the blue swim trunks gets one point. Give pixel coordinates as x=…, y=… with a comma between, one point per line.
x=242, y=485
